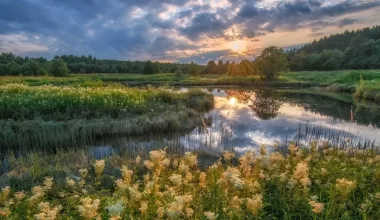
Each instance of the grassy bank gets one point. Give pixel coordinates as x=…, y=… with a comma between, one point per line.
x=333, y=81
x=71, y=116
x=319, y=182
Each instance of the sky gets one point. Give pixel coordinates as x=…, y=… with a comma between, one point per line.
x=174, y=30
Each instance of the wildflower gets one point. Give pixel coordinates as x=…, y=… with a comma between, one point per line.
x=115, y=210
x=183, y=168
x=70, y=182
x=165, y=162
x=148, y=164
x=228, y=155
x=83, y=173
x=202, y=180
x=157, y=156
x=236, y=202
x=144, y=207
x=5, y=193
x=189, y=212
x=188, y=176
x=263, y=150
x=99, y=167
x=255, y=204
x=47, y=212
x=232, y=175
x=190, y=159
x=19, y=195
x=210, y=215
x=138, y=159
x=246, y=161
x=176, y=179
x=127, y=175
x=254, y=187
x=344, y=186
x=316, y=206
x=134, y=193
x=89, y=208
x=301, y=174
x=175, y=163
x=48, y=183
x=161, y=212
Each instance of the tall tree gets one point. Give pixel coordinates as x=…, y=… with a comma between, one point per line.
x=59, y=68
x=271, y=62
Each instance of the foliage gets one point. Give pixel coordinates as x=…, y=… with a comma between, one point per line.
x=318, y=182
x=151, y=68
x=59, y=68
x=271, y=62
x=350, y=50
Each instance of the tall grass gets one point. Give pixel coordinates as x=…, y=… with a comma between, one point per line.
x=319, y=182
x=72, y=116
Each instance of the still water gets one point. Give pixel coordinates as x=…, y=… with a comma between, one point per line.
x=244, y=119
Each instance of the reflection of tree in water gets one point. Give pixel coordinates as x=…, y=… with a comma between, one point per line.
x=263, y=102
x=265, y=105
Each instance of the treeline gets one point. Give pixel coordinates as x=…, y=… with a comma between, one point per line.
x=349, y=50
x=11, y=64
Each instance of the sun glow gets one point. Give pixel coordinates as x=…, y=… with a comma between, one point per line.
x=232, y=101
x=238, y=46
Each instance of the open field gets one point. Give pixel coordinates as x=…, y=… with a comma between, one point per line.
x=320, y=182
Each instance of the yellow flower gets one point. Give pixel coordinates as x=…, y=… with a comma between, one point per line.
x=99, y=167
x=316, y=206
x=89, y=208
x=189, y=212
x=344, y=186
x=138, y=159
x=144, y=207
x=301, y=174
x=127, y=175
x=202, y=180
x=70, y=182
x=228, y=155
x=190, y=159
x=176, y=179
x=210, y=215
x=255, y=204
x=19, y=195
x=48, y=183
x=83, y=173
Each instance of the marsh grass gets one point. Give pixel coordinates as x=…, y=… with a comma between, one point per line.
x=44, y=116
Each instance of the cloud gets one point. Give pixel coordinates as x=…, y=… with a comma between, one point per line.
x=179, y=30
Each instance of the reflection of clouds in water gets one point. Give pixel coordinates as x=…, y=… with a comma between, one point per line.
x=249, y=131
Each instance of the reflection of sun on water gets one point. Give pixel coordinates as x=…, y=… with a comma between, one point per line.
x=232, y=101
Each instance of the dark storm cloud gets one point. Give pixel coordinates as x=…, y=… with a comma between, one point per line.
x=210, y=24
x=124, y=28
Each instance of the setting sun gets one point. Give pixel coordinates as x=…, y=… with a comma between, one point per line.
x=238, y=46
x=232, y=101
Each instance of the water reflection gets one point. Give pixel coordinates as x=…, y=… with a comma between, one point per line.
x=244, y=119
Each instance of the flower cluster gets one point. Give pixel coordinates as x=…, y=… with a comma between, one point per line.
x=269, y=185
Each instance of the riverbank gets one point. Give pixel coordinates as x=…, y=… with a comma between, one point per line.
x=347, y=81
x=308, y=183
x=67, y=116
